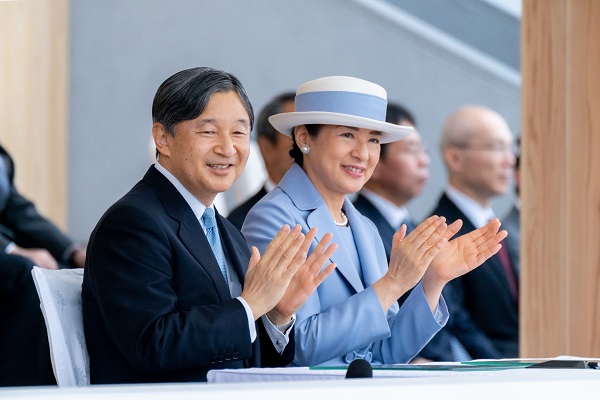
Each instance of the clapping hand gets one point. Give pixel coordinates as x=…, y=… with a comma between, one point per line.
x=467, y=252
x=308, y=277
x=411, y=256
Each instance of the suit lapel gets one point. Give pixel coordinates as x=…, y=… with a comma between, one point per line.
x=386, y=231
x=190, y=231
x=307, y=198
x=367, y=241
x=321, y=218
x=234, y=247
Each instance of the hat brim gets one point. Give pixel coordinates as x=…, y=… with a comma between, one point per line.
x=286, y=122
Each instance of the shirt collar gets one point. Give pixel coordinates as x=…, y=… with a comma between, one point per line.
x=478, y=215
x=196, y=205
x=393, y=214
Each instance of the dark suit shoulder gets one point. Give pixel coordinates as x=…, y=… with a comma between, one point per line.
x=238, y=214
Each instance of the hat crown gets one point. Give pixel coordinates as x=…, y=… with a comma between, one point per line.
x=340, y=100
x=342, y=84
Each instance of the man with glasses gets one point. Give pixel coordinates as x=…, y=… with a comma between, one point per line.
x=400, y=175
x=478, y=150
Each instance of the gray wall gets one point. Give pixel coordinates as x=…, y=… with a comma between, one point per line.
x=121, y=50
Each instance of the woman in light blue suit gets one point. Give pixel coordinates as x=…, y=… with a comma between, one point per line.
x=337, y=128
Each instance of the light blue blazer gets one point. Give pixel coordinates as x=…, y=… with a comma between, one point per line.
x=343, y=320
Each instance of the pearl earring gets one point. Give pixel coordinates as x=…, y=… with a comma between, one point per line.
x=305, y=149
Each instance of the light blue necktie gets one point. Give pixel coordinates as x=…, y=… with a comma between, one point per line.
x=212, y=234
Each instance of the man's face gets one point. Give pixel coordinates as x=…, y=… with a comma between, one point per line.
x=209, y=153
x=486, y=162
x=277, y=155
x=403, y=171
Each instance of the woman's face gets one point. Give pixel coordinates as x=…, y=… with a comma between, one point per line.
x=341, y=158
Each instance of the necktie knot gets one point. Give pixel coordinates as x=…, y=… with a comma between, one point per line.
x=209, y=218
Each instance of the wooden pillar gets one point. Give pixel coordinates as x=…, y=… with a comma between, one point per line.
x=33, y=99
x=560, y=178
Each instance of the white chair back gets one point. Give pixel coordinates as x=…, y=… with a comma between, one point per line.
x=60, y=296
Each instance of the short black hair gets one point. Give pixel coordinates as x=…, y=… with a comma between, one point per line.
x=184, y=95
x=394, y=114
x=275, y=106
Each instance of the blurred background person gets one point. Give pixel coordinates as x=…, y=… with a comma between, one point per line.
x=400, y=175
x=274, y=149
x=478, y=150
x=26, y=239
x=24, y=232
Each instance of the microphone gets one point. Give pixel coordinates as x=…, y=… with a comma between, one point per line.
x=359, y=369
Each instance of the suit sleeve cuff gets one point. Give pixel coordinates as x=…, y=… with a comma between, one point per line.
x=251, y=324
x=10, y=247
x=279, y=335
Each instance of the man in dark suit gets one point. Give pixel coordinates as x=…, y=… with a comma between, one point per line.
x=477, y=146
x=24, y=232
x=26, y=239
x=274, y=148
x=171, y=289
x=400, y=175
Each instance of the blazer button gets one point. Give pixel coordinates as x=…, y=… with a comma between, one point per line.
x=213, y=360
x=236, y=355
x=227, y=356
x=221, y=358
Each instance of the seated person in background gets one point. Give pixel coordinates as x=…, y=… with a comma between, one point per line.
x=477, y=146
x=24, y=232
x=26, y=239
x=337, y=128
x=171, y=289
x=275, y=151
x=400, y=175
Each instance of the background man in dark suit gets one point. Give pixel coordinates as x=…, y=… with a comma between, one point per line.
x=171, y=289
x=274, y=148
x=400, y=175
x=26, y=239
x=477, y=146
x=24, y=232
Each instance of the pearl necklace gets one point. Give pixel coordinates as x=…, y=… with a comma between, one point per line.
x=344, y=222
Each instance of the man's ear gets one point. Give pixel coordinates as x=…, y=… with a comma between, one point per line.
x=453, y=157
x=160, y=135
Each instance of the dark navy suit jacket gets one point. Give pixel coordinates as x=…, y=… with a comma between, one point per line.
x=21, y=223
x=155, y=305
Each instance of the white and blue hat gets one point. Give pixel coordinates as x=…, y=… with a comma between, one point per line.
x=341, y=100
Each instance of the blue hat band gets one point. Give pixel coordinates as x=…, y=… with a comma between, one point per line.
x=351, y=103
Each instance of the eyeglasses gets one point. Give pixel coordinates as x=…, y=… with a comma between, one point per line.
x=494, y=147
x=415, y=148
